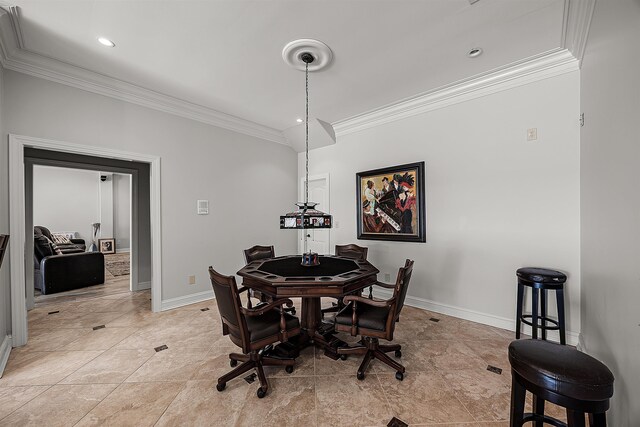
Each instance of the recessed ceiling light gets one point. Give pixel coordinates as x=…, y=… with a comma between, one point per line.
x=106, y=42
x=299, y=120
x=475, y=52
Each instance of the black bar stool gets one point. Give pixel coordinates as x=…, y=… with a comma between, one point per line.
x=540, y=280
x=562, y=375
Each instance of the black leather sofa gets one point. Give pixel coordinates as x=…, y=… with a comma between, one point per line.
x=64, y=267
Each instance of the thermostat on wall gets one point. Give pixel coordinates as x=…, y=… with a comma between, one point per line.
x=203, y=207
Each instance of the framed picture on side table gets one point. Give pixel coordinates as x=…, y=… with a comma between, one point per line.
x=107, y=246
x=391, y=204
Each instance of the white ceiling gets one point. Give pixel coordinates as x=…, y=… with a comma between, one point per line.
x=226, y=54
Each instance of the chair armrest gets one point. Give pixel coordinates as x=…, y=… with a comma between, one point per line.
x=355, y=300
x=258, y=311
x=367, y=301
x=385, y=285
x=78, y=241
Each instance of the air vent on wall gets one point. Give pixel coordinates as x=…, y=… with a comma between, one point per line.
x=203, y=207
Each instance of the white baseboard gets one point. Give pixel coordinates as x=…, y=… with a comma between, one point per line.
x=186, y=300
x=5, y=350
x=142, y=286
x=475, y=316
x=581, y=345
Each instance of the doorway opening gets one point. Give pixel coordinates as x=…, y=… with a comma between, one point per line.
x=144, y=235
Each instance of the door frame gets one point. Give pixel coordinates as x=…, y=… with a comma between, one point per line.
x=18, y=256
x=324, y=176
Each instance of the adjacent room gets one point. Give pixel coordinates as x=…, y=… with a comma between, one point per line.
x=319, y=213
x=87, y=212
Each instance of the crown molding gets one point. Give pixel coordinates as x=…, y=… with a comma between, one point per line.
x=546, y=65
x=14, y=56
x=576, y=24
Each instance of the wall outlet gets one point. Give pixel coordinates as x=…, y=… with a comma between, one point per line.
x=387, y=277
x=192, y=280
x=532, y=134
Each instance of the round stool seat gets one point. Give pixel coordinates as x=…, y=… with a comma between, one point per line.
x=561, y=369
x=541, y=275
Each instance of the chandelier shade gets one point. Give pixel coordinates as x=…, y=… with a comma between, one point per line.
x=306, y=216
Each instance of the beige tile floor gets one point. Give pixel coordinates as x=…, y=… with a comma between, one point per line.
x=70, y=374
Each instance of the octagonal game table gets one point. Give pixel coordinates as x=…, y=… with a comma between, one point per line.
x=284, y=277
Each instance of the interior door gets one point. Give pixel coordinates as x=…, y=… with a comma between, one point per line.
x=317, y=240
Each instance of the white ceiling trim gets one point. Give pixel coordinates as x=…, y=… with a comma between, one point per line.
x=577, y=20
x=550, y=64
x=14, y=56
x=575, y=31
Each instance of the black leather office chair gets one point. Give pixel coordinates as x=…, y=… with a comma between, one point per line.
x=352, y=251
x=4, y=243
x=252, y=330
x=375, y=319
x=256, y=253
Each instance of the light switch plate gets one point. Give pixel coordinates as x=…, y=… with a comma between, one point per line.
x=203, y=207
x=532, y=134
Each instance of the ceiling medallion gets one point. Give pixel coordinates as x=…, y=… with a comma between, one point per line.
x=293, y=51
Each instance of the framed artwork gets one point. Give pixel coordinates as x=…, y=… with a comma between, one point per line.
x=107, y=246
x=391, y=204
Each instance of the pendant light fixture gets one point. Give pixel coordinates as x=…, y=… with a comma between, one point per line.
x=307, y=54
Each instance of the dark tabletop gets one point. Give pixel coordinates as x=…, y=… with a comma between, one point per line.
x=291, y=267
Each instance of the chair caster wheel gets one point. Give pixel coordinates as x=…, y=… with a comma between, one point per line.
x=289, y=369
x=398, y=353
x=360, y=375
x=221, y=386
x=399, y=376
x=233, y=363
x=261, y=393
x=343, y=357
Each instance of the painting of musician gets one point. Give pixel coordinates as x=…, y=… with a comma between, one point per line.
x=391, y=203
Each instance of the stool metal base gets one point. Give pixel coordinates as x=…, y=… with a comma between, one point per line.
x=542, y=419
x=538, y=316
x=576, y=409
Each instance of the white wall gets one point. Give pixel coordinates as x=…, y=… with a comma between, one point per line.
x=122, y=210
x=66, y=199
x=610, y=98
x=494, y=201
x=5, y=300
x=248, y=181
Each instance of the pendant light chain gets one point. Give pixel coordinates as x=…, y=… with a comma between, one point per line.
x=306, y=149
x=306, y=121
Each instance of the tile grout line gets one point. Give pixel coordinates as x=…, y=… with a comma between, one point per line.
x=47, y=388
x=101, y=400
x=315, y=385
x=384, y=393
x=446, y=384
x=172, y=400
